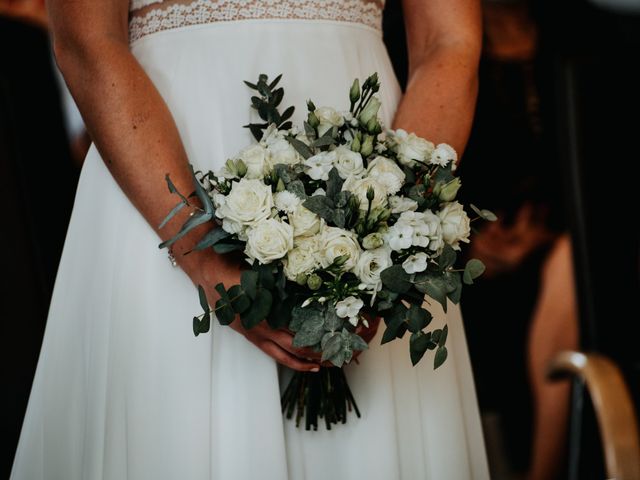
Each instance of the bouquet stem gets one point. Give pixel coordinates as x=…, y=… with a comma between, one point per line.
x=325, y=394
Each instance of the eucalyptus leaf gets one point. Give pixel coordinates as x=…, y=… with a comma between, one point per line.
x=301, y=315
x=434, y=286
x=418, y=344
x=332, y=346
x=334, y=184
x=226, y=247
x=297, y=187
x=249, y=282
x=472, y=270
x=440, y=357
x=443, y=336
x=259, y=309
x=310, y=333
x=417, y=318
x=321, y=206
x=447, y=258
x=224, y=312
x=172, y=213
x=394, y=320
x=358, y=343
x=196, y=219
x=396, y=279
x=211, y=237
x=332, y=321
x=301, y=147
x=240, y=301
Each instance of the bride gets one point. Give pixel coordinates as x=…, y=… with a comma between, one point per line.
x=123, y=390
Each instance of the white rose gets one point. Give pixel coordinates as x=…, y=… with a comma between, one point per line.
x=248, y=202
x=320, y=165
x=347, y=162
x=349, y=308
x=303, y=258
x=269, y=240
x=304, y=221
x=443, y=154
x=336, y=242
x=371, y=264
x=286, y=201
x=456, y=225
x=387, y=172
x=281, y=151
x=410, y=147
x=402, y=204
x=256, y=158
x=329, y=118
x=415, y=263
x=360, y=186
x=427, y=231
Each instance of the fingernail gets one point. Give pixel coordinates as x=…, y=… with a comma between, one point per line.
x=315, y=369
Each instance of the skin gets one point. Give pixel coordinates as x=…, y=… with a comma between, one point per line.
x=136, y=136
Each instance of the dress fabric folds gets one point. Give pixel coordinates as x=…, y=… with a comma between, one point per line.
x=124, y=390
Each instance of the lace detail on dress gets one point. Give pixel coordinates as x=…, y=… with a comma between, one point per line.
x=137, y=4
x=170, y=15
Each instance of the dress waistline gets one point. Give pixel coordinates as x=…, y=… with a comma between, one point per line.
x=173, y=14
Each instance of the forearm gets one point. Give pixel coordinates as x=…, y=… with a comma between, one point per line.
x=440, y=98
x=131, y=127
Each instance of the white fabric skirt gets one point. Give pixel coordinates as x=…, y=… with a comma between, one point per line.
x=124, y=390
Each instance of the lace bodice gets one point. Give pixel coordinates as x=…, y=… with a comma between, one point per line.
x=151, y=16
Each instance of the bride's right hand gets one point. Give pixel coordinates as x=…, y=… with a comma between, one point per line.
x=209, y=270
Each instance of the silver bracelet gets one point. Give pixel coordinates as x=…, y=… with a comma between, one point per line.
x=172, y=257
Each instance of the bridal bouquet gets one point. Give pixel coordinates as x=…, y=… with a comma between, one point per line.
x=339, y=221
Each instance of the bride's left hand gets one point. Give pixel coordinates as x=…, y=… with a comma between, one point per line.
x=367, y=334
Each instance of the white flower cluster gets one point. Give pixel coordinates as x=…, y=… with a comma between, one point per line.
x=277, y=227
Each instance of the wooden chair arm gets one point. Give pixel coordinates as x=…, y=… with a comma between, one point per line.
x=613, y=406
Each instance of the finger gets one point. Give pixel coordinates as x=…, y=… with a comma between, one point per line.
x=285, y=341
x=283, y=357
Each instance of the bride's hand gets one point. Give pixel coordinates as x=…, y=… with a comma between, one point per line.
x=278, y=344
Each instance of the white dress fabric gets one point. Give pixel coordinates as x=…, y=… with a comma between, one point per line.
x=123, y=389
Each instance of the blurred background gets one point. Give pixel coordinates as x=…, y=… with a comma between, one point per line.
x=552, y=152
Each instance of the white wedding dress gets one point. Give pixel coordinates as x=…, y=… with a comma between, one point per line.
x=124, y=390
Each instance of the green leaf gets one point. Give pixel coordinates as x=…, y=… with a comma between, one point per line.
x=358, y=343
x=201, y=326
x=310, y=333
x=280, y=315
x=173, y=189
x=472, y=270
x=198, y=218
x=417, y=318
x=204, y=303
x=396, y=279
x=249, y=282
x=334, y=184
x=321, y=206
x=418, y=344
x=286, y=115
x=332, y=321
x=456, y=281
x=440, y=357
x=172, y=213
x=275, y=81
x=259, y=309
x=443, y=336
x=240, y=301
x=484, y=213
x=394, y=320
x=331, y=345
x=434, y=286
x=324, y=140
x=226, y=247
x=224, y=312
x=211, y=237
x=251, y=85
x=266, y=279
x=447, y=258
x=300, y=147
x=301, y=315
x=297, y=187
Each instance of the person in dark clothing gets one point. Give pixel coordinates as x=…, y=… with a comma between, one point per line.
x=38, y=186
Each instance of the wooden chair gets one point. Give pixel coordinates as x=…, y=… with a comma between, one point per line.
x=613, y=406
